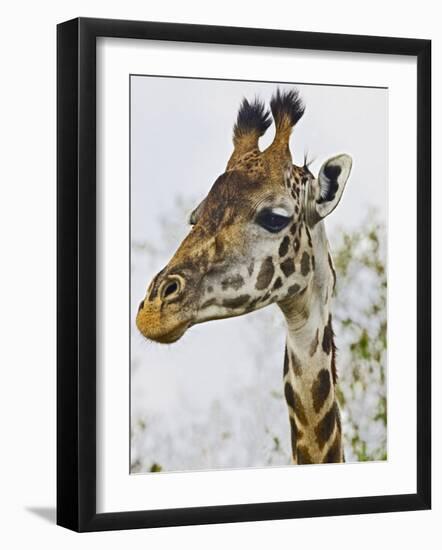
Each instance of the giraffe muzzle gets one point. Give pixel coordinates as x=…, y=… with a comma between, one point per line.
x=161, y=316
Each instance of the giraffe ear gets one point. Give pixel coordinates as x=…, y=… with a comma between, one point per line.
x=332, y=178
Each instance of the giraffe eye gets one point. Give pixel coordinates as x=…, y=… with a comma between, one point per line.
x=271, y=221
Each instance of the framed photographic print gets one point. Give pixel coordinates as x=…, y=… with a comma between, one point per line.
x=243, y=274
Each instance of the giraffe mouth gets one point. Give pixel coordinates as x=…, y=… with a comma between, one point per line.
x=172, y=336
x=161, y=332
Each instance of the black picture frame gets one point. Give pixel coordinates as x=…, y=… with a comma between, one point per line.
x=76, y=273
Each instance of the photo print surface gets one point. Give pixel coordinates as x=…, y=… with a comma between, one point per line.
x=258, y=314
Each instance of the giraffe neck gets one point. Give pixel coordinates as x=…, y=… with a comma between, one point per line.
x=309, y=369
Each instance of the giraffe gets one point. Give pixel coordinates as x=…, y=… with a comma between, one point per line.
x=258, y=238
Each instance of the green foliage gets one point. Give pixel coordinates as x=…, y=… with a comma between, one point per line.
x=361, y=323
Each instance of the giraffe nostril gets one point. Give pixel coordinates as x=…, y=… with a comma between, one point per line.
x=171, y=288
x=140, y=307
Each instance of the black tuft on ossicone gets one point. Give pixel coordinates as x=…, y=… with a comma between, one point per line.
x=252, y=117
x=287, y=105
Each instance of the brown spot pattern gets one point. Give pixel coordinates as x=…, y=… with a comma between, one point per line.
x=288, y=267
x=236, y=302
x=303, y=455
x=289, y=395
x=293, y=433
x=334, y=454
x=299, y=410
x=265, y=296
x=293, y=289
x=277, y=284
x=284, y=246
x=327, y=338
x=338, y=420
x=325, y=426
x=296, y=364
x=314, y=344
x=309, y=237
x=235, y=282
x=286, y=362
x=330, y=263
x=333, y=362
x=265, y=274
x=305, y=264
x=253, y=303
x=321, y=389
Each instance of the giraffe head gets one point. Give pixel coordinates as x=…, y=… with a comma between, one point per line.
x=250, y=243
